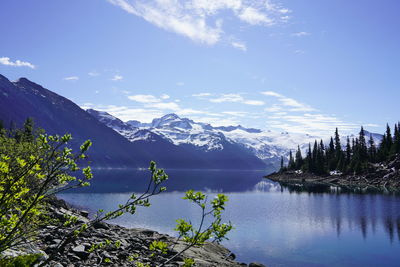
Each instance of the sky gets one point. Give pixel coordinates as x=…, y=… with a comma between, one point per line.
x=304, y=66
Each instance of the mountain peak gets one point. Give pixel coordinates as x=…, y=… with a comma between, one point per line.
x=26, y=81
x=170, y=116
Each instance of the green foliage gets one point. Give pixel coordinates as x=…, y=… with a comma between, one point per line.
x=33, y=166
x=159, y=246
x=188, y=262
x=20, y=261
x=355, y=159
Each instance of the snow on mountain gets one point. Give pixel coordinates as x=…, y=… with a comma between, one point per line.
x=266, y=145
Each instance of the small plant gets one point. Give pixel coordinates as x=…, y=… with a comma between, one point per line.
x=188, y=262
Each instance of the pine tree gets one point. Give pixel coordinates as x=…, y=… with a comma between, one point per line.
x=298, y=159
x=309, y=165
x=389, y=139
x=396, y=140
x=291, y=165
x=330, y=156
x=348, y=152
x=338, y=146
x=382, y=150
x=371, y=149
x=363, y=151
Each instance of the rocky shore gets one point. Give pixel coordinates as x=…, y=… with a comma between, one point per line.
x=133, y=245
x=382, y=176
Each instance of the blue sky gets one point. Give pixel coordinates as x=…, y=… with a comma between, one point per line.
x=298, y=66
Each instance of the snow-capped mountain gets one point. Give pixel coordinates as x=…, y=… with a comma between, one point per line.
x=266, y=145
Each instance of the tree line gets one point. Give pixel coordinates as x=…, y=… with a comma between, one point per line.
x=356, y=157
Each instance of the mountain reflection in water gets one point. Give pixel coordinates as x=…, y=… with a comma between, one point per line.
x=277, y=224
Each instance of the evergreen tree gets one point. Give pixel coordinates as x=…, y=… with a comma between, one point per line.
x=291, y=165
x=348, y=152
x=389, y=139
x=363, y=151
x=309, y=165
x=382, y=150
x=338, y=145
x=330, y=155
x=323, y=156
x=282, y=166
x=396, y=140
x=299, y=159
x=371, y=149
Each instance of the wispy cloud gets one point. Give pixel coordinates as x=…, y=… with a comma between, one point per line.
x=201, y=20
x=180, y=83
x=291, y=115
x=17, y=63
x=301, y=34
x=164, y=96
x=233, y=98
x=289, y=103
x=239, y=45
x=238, y=98
x=117, y=78
x=317, y=124
x=71, y=78
x=93, y=73
x=200, y=95
x=144, y=98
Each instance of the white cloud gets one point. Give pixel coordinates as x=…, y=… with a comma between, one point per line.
x=180, y=83
x=128, y=113
x=144, y=98
x=299, y=52
x=235, y=98
x=290, y=104
x=253, y=102
x=164, y=96
x=301, y=34
x=18, y=63
x=117, y=78
x=201, y=20
x=93, y=73
x=239, y=45
x=317, y=124
x=236, y=113
x=200, y=95
x=169, y=105
x=271, y=93
x=255, y=17
x=227, y=98
x=71, y=78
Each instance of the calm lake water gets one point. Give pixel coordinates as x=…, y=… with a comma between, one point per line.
x=274, y=224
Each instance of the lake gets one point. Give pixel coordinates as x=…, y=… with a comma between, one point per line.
x=275, y=225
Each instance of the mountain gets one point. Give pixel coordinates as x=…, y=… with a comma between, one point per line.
x=58, y=115
x=195, y=138
x=115, y=143
x=268, y=146
x=202, y=137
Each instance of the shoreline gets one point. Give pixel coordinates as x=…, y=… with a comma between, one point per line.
x=133, y=241
x=387, y=181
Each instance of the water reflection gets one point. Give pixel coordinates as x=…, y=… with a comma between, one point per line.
x=277, y=224
x=133, y=180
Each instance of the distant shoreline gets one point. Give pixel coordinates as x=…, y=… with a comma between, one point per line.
x=387, y=181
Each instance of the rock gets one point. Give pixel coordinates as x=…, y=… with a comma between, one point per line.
x=80, y=251
x=84, y=213
x=101, y=225
x=256, y=264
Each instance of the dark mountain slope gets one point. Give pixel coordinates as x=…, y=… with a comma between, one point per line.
x=58, y=115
